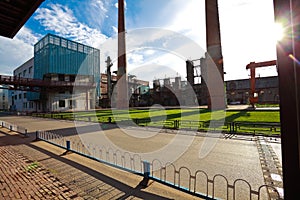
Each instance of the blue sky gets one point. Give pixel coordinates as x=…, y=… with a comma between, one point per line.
x=246, y=31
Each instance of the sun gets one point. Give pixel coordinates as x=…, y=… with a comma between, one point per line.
x=277, y=31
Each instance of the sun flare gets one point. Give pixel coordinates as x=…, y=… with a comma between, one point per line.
x=278, y=31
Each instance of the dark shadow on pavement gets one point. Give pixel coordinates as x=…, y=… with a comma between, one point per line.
x=128, y=190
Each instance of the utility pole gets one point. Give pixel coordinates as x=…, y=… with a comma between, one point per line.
x=122, y=85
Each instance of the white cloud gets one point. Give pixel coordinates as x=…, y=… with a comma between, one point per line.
x=14, y=52
x=115, y=29
x=135, y=58
x=94, y=12
x=61, y=20
x=190, y=20
x=149, y=52
x=28, y=36
x=99, y=4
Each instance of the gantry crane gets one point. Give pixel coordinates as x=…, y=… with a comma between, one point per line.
x=252, y=66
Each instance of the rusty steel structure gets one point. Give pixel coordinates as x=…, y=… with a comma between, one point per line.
x=38, y=85
x=252, y=66
x=122, y=85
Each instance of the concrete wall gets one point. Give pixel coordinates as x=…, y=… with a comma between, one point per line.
x=18, y=99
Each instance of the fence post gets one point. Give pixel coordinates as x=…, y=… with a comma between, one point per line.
x=25, y=132
x=234, y=127
x=231, y=125
x=10, y=127
x=146, y=166
x=68, y=145
x=109, y=119
x=36, y=135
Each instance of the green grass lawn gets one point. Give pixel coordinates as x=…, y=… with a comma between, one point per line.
x=185, y=114
x=189, y=118
x=199, y=115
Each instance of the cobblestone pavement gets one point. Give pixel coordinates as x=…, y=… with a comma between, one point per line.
x=21, y=178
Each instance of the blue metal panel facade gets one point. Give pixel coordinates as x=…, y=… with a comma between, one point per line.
x=57, y=55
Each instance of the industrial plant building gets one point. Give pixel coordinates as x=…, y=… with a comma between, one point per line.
x=138, y=90
x=63, y=75
x=172, y=91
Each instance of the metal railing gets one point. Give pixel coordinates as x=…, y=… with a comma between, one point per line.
x=197, y=183
x=236, y=127
x=14, y=127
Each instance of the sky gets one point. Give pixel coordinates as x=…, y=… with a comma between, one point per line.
x=247, y=34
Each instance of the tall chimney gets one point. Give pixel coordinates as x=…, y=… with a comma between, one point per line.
x=214, y=50
x=122, y=85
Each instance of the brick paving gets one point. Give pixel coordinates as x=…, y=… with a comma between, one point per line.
x=38, y=170
x=21, y=178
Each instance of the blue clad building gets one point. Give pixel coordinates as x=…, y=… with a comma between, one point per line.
x=60, y=59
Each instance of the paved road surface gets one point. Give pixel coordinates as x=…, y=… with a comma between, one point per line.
x=235, y=157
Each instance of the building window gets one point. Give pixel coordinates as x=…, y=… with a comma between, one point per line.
x=30, y=70
x=16, y=97
x=24, y=95
x=62, y=103
x=80, y=47
x=72, y=78
x=63, y=43
x=56, y=41
x=51, y=39
x=20, y=96
x=61, y=77
x=24, y=73
x=72, y=104
x=19, y=74
x=46, y=41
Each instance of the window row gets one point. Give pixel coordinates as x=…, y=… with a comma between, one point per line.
x=28, y=104
x=63, y=43
x=20, y=96
x=25, y=71
x=62, y=103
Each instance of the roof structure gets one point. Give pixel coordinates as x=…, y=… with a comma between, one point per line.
x=14, y=14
